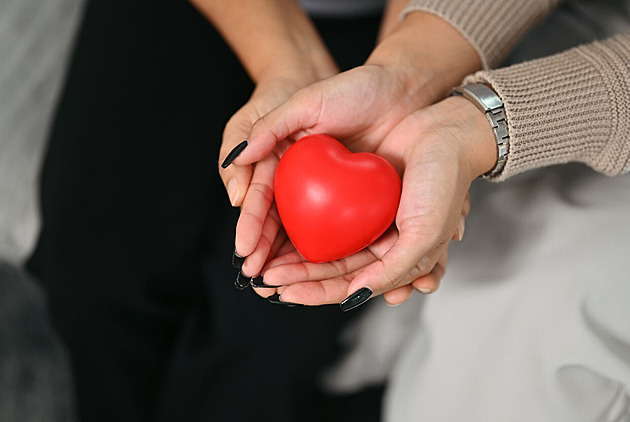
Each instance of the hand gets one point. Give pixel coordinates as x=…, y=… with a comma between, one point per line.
x=253, y=180
x=330, y=281
x=441, y=150
x=360, y=106
x=349, y=106
x=269, y=93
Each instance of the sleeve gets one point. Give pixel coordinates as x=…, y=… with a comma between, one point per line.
x=569, y=107
x=493, y=27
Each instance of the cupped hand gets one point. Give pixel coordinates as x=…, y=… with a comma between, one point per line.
x=414, y=65
x=250, y=186
x=360, y=106
x=439, y=150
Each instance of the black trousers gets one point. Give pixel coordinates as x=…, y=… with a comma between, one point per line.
x=138, y=233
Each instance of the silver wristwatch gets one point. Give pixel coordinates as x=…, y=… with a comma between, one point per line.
x=489, y=102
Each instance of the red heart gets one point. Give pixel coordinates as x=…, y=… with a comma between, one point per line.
x=332, y=202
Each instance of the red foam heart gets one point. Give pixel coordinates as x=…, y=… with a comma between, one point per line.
x=333, y=202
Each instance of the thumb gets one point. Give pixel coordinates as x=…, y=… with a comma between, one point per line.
x=410, y=258
x=293, y=118
x=235, y=178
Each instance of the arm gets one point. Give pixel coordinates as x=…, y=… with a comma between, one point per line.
x=269, y=37
x=492, y=27
x=582, y=94
x=282, y=52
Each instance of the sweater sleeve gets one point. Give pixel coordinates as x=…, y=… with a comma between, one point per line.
x=572, y=106
x=492, y=27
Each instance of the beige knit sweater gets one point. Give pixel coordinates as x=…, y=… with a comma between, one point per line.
x=572, y=106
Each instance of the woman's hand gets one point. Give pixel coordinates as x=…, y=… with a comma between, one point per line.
x=249, y=186
x=281, y=50
x=440, y=150
x=360, y=106
x=329, y=281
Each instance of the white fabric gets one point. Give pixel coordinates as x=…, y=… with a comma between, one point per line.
x=532, y=322
x=35, y=39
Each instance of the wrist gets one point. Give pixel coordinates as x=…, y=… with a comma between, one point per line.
x=300, y=71
x=429, y=53
x=475, y=136
x=270, y=36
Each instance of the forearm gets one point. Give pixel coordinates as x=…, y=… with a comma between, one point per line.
x=572, y=106
x=492, y=27
x=272, y=37
x=429, y=55
x=442, y=41
x=391, y=17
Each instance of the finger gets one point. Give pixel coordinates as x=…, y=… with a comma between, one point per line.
x=235, y=178
x=287, y=255
x=279, y=243
x=314, y=293
x=406, y=258
x=304, y=271
x=398, y=267
x=297, y=114
x=461, y=226
x=335, y=290
x=255, y=207
x=398, y=295
x=466, y=206
x=254, y=262
x=431, y=282
x=291, y=269
x=261, y=288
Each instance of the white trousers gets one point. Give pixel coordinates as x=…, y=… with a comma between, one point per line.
x=532, y=321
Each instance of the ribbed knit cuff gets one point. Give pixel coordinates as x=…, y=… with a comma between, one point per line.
x=493, y=27
x=573, y=106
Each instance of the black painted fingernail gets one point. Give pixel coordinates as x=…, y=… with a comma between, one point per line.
x=234, y=153
x=242, y=281
x=357, y=298
x=275, y=299
x=259, y=283
x=237, y=260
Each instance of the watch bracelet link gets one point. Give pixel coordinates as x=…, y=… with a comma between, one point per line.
x=489, y=103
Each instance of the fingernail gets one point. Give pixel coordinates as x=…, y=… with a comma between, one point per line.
x=237, y=260
x=357, y=298
x=242, y=281
x=233, y=191
x=276, y=300
x=461, y=228
x=425, y=291
x=259, y=283
x=234, y=153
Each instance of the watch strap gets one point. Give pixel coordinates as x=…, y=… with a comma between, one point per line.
x=489, y=103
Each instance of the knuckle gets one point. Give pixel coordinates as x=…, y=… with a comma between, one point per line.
x=340, y=267
x=392, y=280
x=261, y=190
